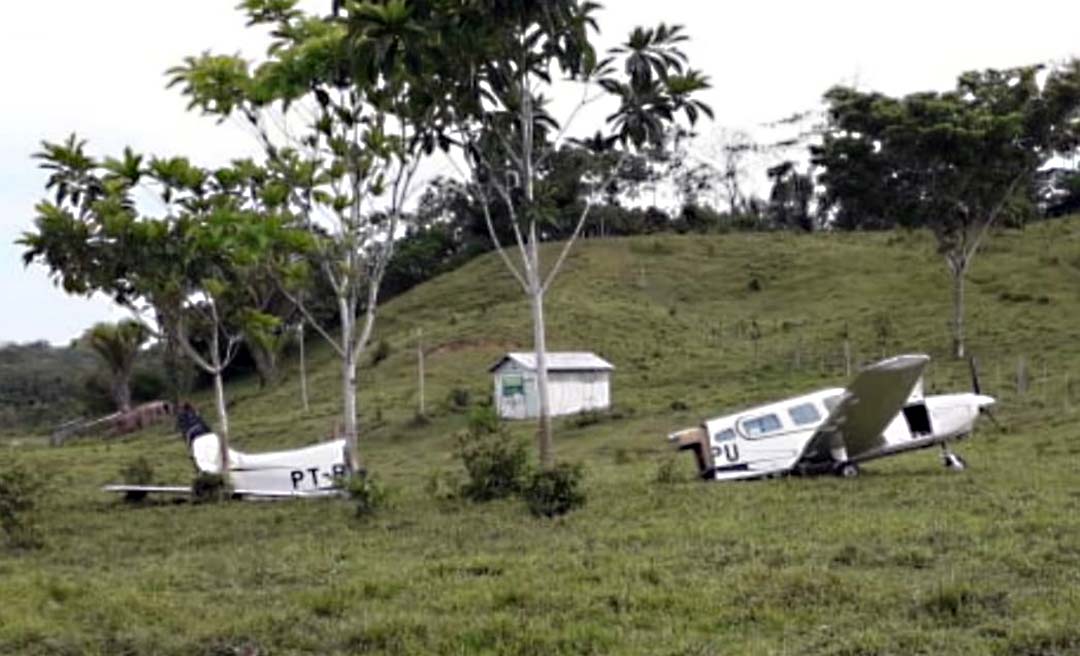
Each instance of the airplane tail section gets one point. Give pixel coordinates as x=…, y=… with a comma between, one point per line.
x=695, y=440
x=310, y=468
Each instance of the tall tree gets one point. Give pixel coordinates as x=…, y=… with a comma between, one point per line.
x=178, y=273
x=954, y=162
x=342, y=107
x=496, y=61
x=118, y=346
x=790, y=197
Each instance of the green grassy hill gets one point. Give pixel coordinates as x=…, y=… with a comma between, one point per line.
x=909, y=558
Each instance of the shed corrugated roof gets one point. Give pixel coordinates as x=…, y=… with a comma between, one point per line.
x=565, y=361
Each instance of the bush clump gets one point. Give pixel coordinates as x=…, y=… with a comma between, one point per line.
x=381, y=352
x=137, y=472
x=20, y=489
x=556, y=491
x=443, y=485
x=459, y=398
x=210, y=488
x=668, y=472
x=496, y=462
x=369, y=495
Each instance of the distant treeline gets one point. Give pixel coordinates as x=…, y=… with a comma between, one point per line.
x=42, y=385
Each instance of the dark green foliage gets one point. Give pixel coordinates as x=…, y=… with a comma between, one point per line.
x=381, y=352
x=496, y=462
x=556, y=491
x=20, y=491
x=210, y=488
x=668, y=471
x=459, y=398
x=443, y=485
x=148, y=385
x=367, y=493
x=41, y=385
x=138, y=472
x=960, y=603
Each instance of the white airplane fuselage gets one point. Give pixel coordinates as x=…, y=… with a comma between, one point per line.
x=772, y=439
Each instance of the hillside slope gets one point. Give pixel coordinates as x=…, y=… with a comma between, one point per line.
x=907, y=559
x=677, y=316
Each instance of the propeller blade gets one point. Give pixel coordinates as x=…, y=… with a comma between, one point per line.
x=974, y=364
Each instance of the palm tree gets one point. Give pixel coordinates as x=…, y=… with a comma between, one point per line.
x=118, y=345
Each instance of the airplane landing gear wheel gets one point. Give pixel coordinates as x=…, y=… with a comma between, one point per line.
x=954, y=462
x=847, y=470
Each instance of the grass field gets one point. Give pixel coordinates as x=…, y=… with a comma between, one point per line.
x=907, y=559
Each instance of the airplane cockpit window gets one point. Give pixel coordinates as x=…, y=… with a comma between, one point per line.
x=759, y=426
x=805, y=413
x=725, y=435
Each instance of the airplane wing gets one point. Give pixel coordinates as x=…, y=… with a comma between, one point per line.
x=177, y=490
x=140, y=491
x=867, y=406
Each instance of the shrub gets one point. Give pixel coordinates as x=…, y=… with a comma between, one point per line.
x=589, y=417
x=496, y=463
x=148, y=385
x=555, y=491
x=460, y=397
x=367, y=493
x=210, y=488
x=138, y=472
x=484, y=421
x=443, y=485
x=381, y=352
x=19, y=492
x=667, y=472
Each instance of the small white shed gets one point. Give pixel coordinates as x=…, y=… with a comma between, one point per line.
x=576, y=381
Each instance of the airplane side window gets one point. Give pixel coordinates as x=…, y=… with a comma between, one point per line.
x=759, y=426
x=725, y=435
x=806, y=413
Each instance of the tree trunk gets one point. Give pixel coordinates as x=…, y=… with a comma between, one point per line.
x=121, y=390
x=173, y=365
x=544, y=440
x=266, y=365
x=958, y=312
x=348, y=390
x=223, y=423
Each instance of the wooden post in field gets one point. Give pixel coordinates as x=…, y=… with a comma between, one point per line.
x=1042, y=383
x=1021, y=376
x=420, y=368
x=1065, y=387
x=303, y=368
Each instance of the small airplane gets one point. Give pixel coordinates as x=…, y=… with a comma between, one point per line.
x=883, y=412
x=311, y=471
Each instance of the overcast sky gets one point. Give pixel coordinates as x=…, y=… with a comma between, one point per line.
x=96, y=68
